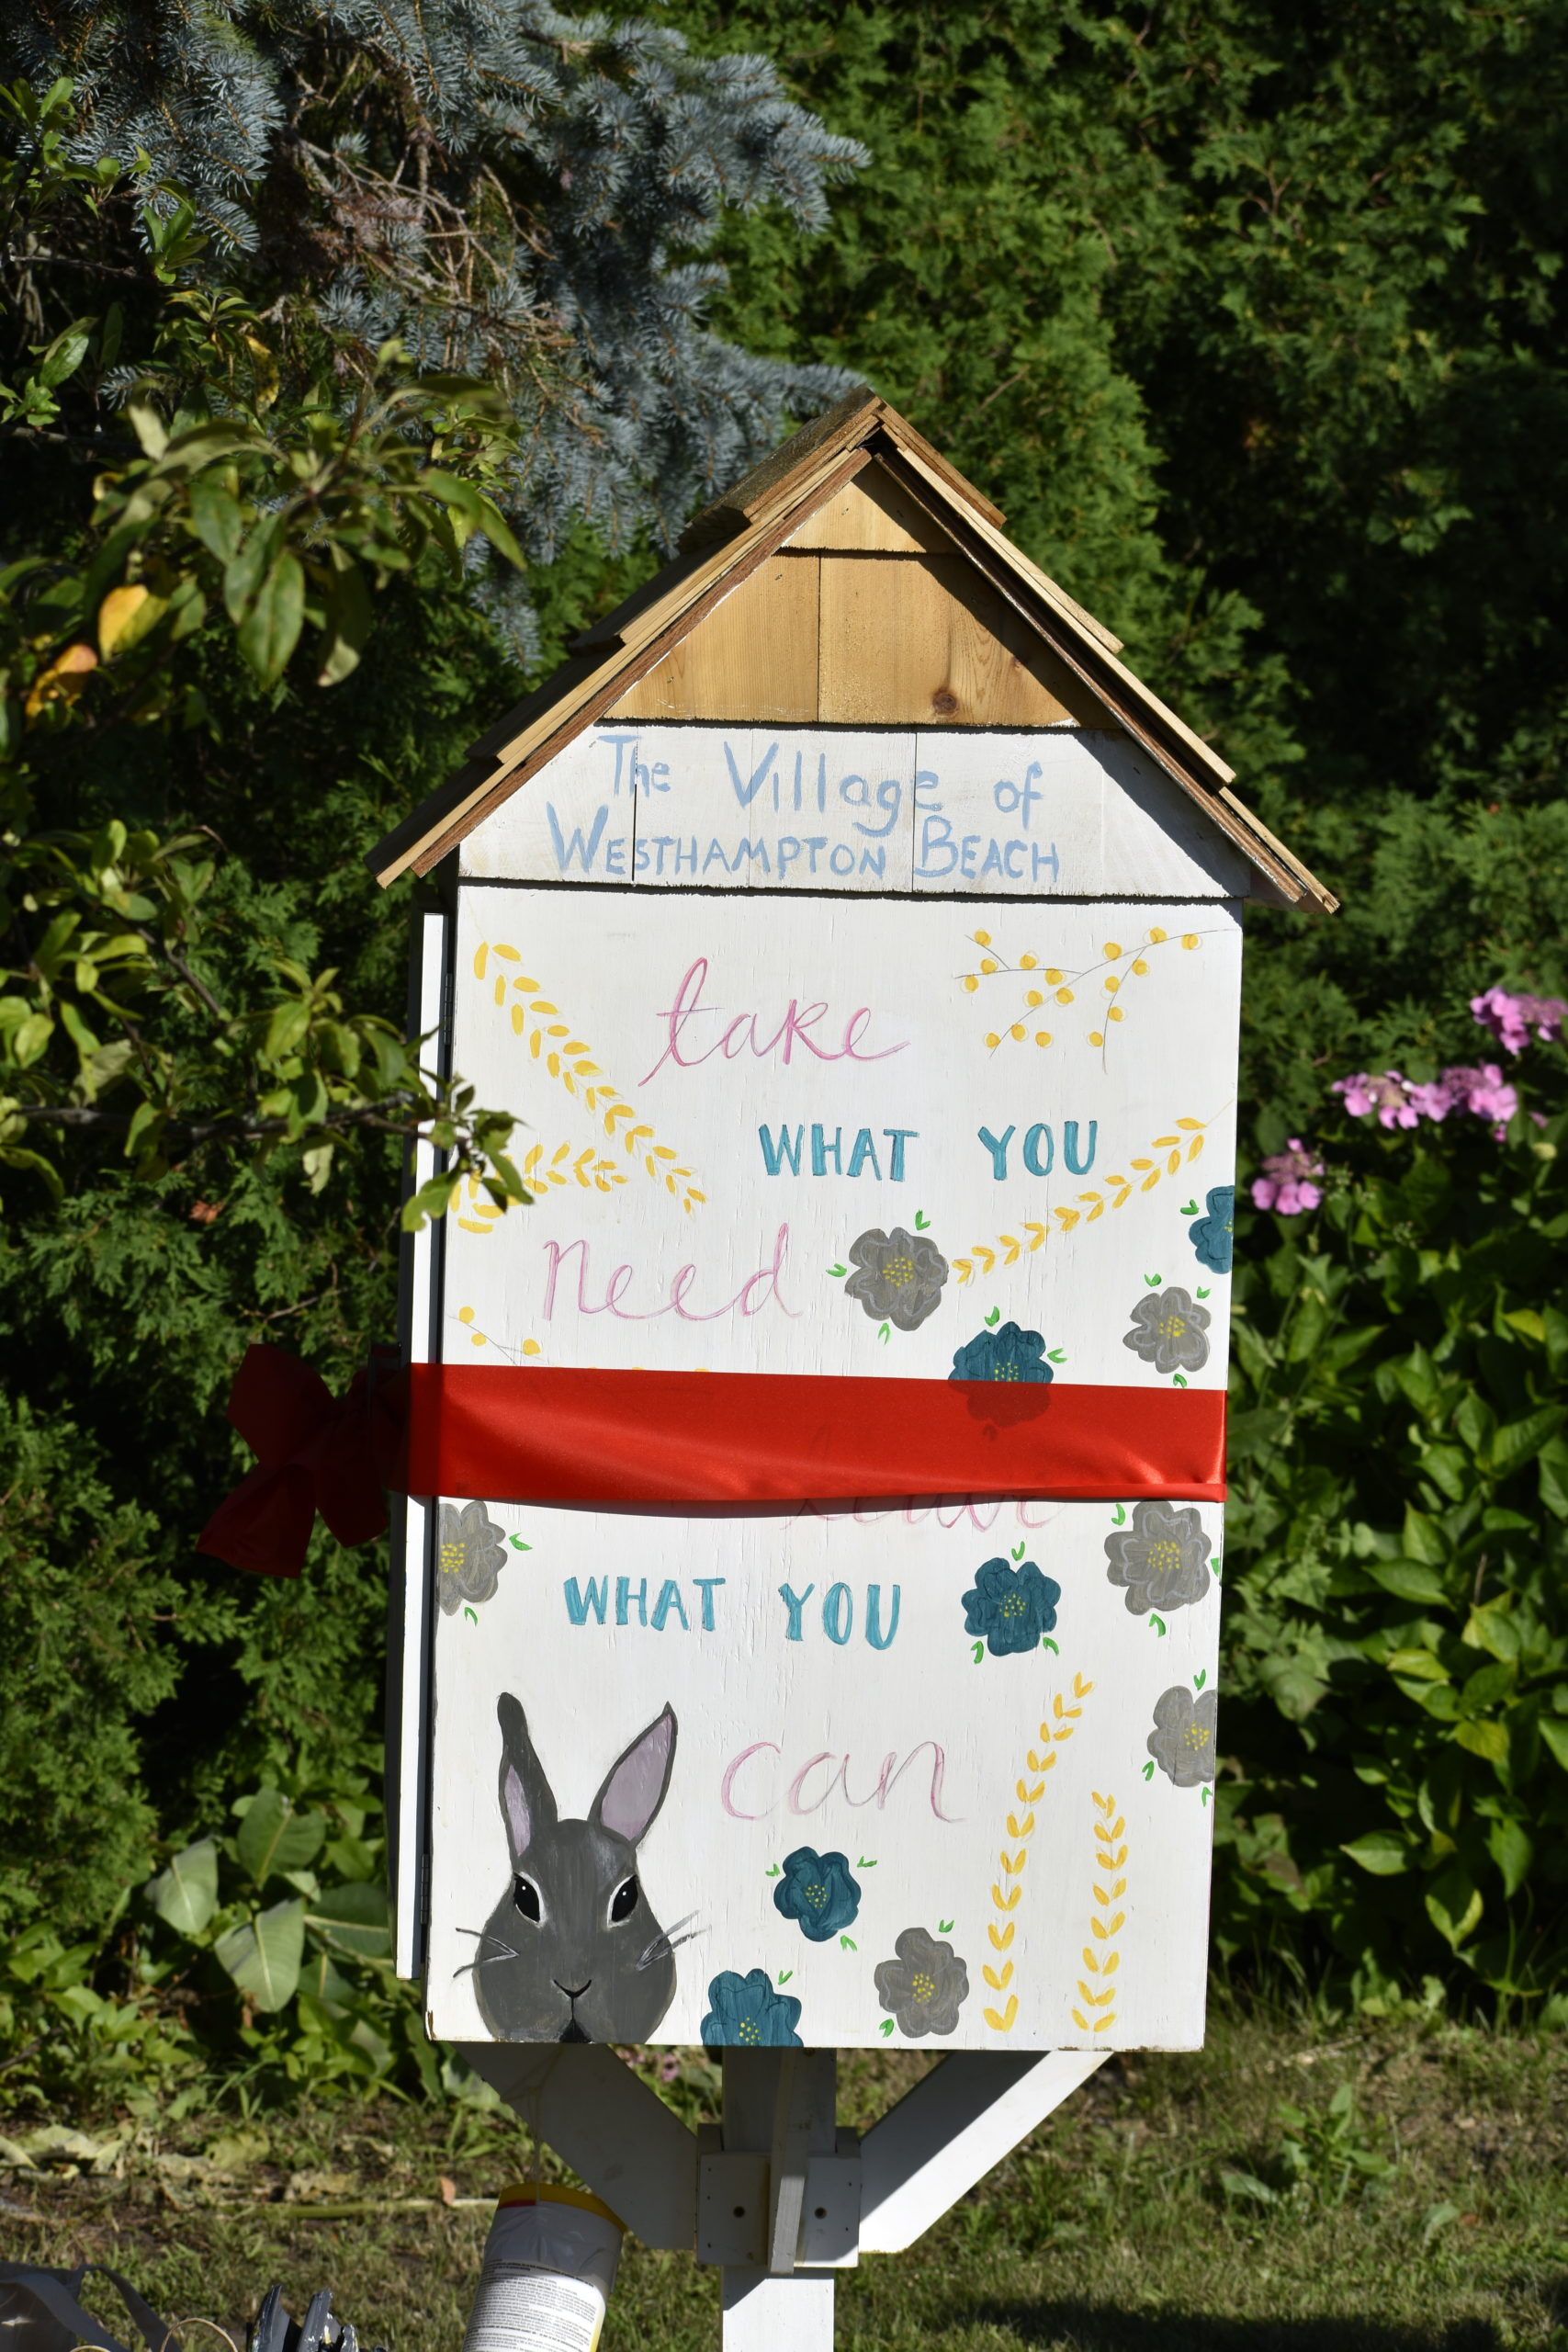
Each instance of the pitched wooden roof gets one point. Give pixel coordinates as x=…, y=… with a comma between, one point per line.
x=728, y=541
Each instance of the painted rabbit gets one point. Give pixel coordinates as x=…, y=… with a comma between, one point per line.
x=572, y=1952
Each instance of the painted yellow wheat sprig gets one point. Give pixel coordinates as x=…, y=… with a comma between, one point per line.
x=1100, y=1958
x=589, y=1169
x=1007, y=1892
x=1181, y=1148
x=1146, y=1173
x=568, y=1059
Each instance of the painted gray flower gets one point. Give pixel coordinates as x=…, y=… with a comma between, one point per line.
x=925, y=1987
x=1182, y=1741
x=469, y=1557
x=1163, y=1558
x=1170, y=1330
x=897, y=1278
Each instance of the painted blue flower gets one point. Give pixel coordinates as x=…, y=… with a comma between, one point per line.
x=817, y=1891
x=1005, y=1354
x=1014, y=1608
x=1212, y=1235
x=747, y=2013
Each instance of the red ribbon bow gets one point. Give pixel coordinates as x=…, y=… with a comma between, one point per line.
x=506, y=1434
x=314, y=1453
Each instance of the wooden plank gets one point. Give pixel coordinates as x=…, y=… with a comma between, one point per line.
x=924, y=640
x=872, y=517
x=753, y=658
x=589, y=701
x=997, y=538
x=847, y=422
x=1144, y=716
x=991, y=550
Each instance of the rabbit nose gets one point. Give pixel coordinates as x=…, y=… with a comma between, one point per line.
x=573, y=1991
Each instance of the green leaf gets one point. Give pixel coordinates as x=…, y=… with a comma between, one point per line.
x=217, y=520
x=1454, y=1905
x=1382, y=1851
x=1424, y=1539
x=65, y=354
x=263, y=1956
x=1512, y=1850
x=1489, y=1740
x=29, y=1040
x=272, y=1836
x=1408, y=1581
x=1519, y=1441
x=1246, y=2186
x=432, y=1200
x=354, y=1917
x=185, y=1891
x=270, y=630
x=1553, y=1730
x=1551, y=1468
x=348, y=625
x=1420, y=1665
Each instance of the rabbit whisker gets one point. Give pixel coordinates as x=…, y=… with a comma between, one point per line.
x=485, y=1960
x=665, y=1941
x=489, y=1935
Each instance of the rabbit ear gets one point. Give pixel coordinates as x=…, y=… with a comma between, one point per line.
x=527, y=1801
x=635, y=1785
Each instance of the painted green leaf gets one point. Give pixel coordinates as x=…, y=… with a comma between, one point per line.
x=272, y=1836
x=186, y=1892
x=262, y=1955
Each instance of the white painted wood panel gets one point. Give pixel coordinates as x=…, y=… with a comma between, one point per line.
x=1046, y=812
x=841, y=1086
x=841, y=1069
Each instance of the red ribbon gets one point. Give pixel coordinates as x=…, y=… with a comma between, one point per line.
x=548, y=1435
x=506, y=1434
x=314, y=1453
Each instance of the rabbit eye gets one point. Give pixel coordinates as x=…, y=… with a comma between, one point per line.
x=525, y=1895
x=625, y=1900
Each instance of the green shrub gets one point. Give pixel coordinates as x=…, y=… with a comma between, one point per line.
x=1396, y=1617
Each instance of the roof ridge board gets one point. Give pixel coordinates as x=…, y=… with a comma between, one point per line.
x=1320, y=890
x=834, y=430
x=804, y=497
x=904, y=436
x=1084, y=655
x=423, y=837
x=1068, y=610
x=1014, y=555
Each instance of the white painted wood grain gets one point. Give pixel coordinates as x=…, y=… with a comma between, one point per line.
x=818, y=1661
x=1047, y=812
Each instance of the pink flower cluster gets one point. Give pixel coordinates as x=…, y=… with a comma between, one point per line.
x=1511, y=1018
x=1401, y=1102
x=1388, y=1094
x=1286, y=1184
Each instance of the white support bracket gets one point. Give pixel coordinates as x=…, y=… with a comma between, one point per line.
x=777, y=2197
x=611, y=2126
x=945, y=2134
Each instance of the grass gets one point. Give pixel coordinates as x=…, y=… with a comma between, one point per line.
x=1426, y=2211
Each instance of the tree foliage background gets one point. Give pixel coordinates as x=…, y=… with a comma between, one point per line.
x=1251, y=318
